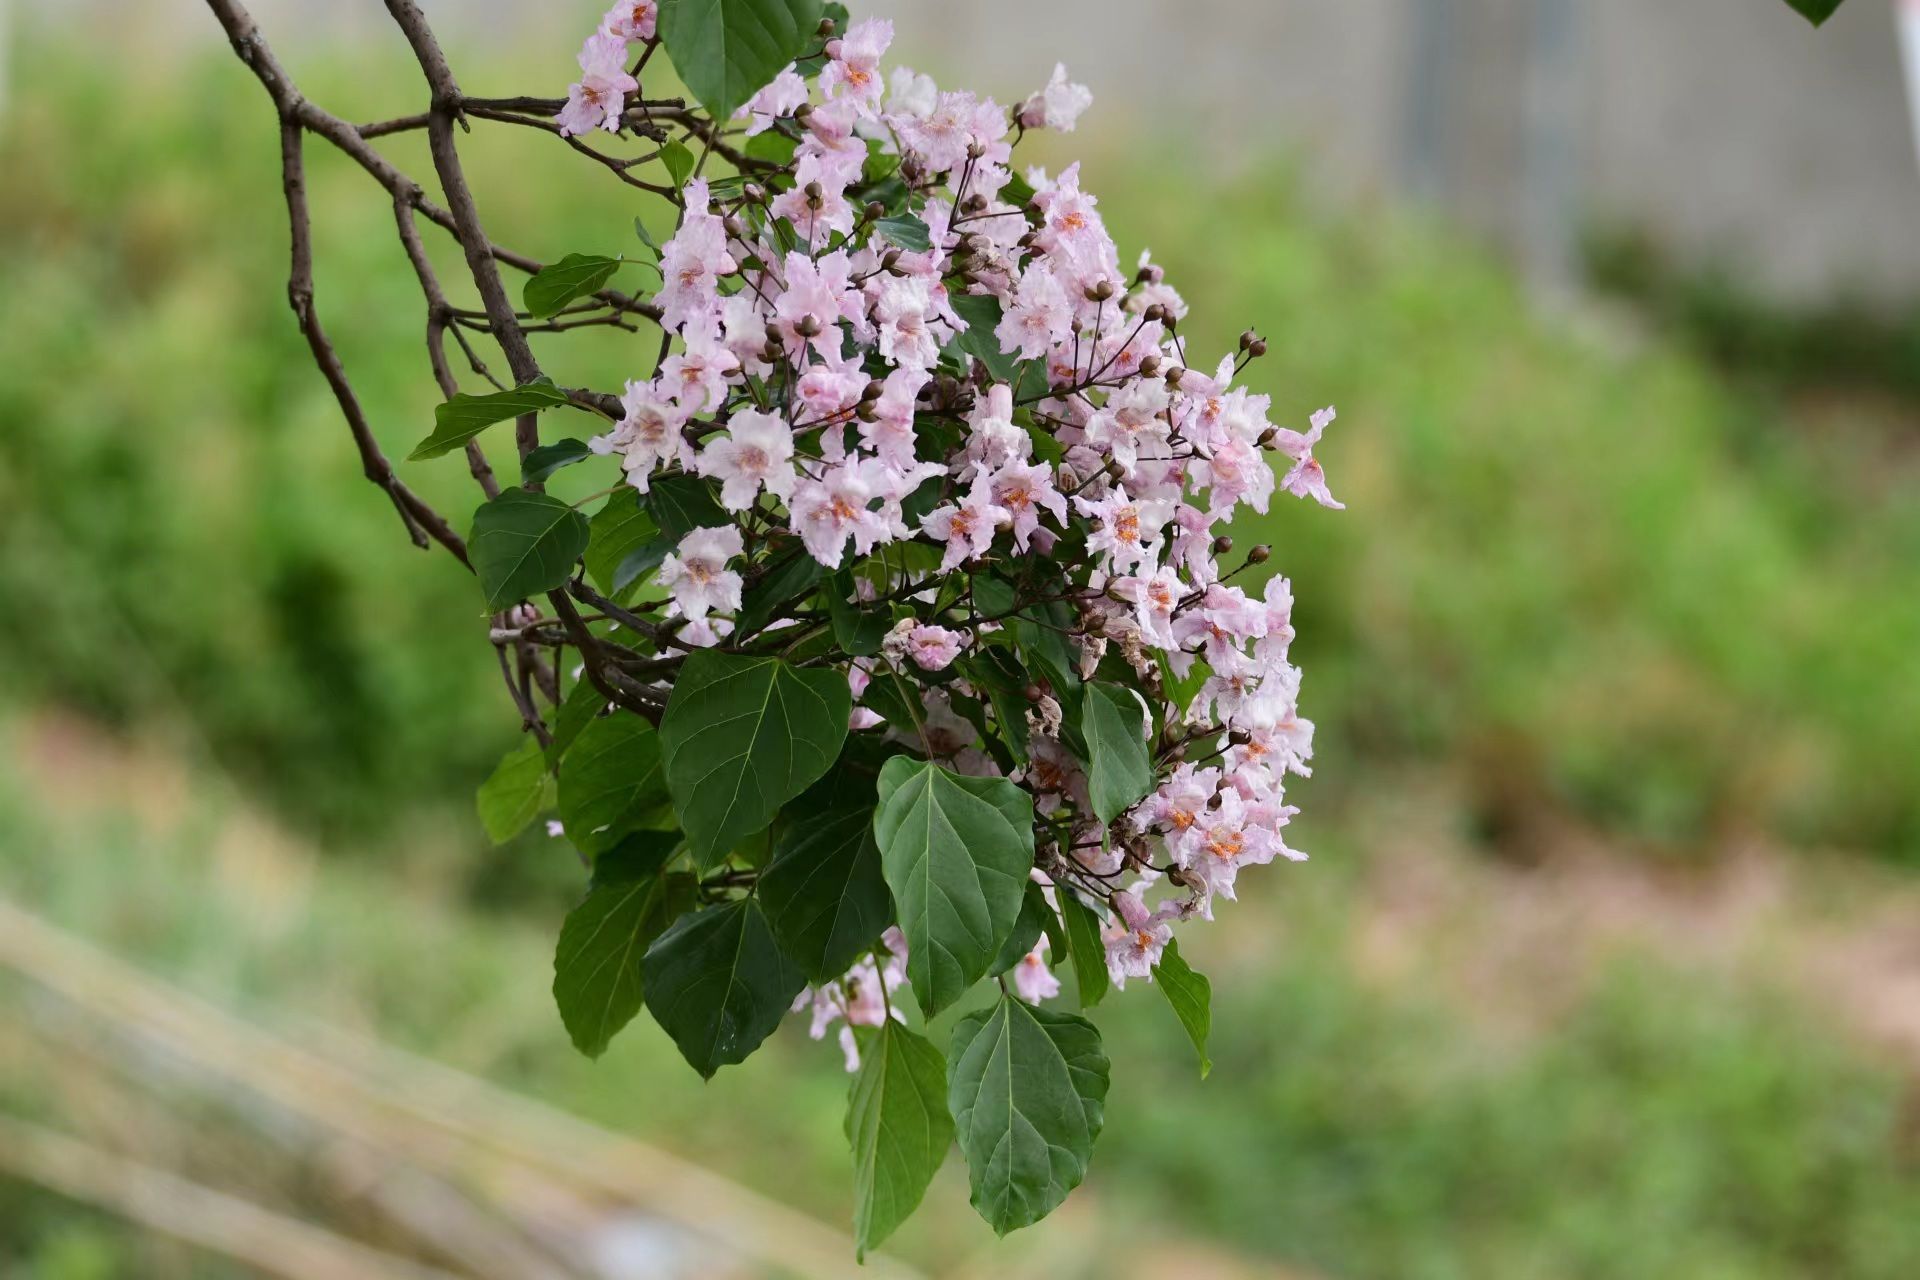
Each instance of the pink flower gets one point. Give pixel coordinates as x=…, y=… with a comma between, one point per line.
x=649, y=434
x=692, y=262
x=598, y=98
x=1033, y=981
x=1058, y=106
x=890, y=434
x=1136, y=939
x=827, y=176
x=1039, y=317
x=1154, y=598
x=830, y=511
x=910, y=95
x=1307, y=479
x=699, y=372
x=853, y=63
x=632, y=19
x=1129, y=532
x=1235, y=834
x=696, y=573
x=1023, y=490
x=817, y=298
x=966, y=526
x=755, y=454
x=777, y=101
x=931, y=648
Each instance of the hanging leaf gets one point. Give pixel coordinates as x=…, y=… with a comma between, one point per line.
x=524, y=544
x=1084, y=946
x=597, y=978
x=1027, y=928
x=728, y=50
x=898, y=1126
x=578, y=274
x=616, y=530
x=541, y=463
x=518, y=789
x=718, y=984
x=956, y=851
x=744, y=735
x=1026, y=1089
x=1191, y=996
x=823, y=891
x=1815, y=11
x=611, y=783
x=679, y=162
x=464, y=417
x=1119, y=773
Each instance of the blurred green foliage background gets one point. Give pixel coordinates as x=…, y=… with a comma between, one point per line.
x=1590, y=589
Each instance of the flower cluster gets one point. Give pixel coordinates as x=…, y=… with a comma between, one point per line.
x=931, y=373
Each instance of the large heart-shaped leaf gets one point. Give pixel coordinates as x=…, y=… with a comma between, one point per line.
x=1026, y=1088
x=744, y=735
x=956, y=851
x=898, y=1125
x=728, y=50
x=1119, y=774
x=524, y=544
x=597, y=978
x=610, y=782
x=823, y=891
x=618, y=529
x=464, y=417
x=719, y=985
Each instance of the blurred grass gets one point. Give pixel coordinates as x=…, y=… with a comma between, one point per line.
x=1578, y=573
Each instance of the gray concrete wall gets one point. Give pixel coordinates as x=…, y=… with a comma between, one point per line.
x=1729, y=128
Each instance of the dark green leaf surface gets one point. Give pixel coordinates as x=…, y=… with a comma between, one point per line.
x=1026, y=1089
x=515, y=793
x=597, y=978
x=823, y=892
x=679, y=504
x=577, y=710
x=1119, y=774
x=859, y=628
x=906, y=231
x=464, y=417
x=618, y=528
x=787, y=581
x=1191, y=996
x=728, y=50
x=679, y=162
x=1085, y=947
x=898, y=1126
x=549, y=458
x=524, y=544
x=742, y=736
x=574, y=276
x=719, y=985
x=1027, y=928
x=982, y=314
x=611, y=782
x=956, y=852
x=1815, y=11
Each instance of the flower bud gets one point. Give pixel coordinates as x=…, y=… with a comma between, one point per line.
x=1103, y=291
x=890, y=259
x=872, y=391
x=825, y=28
x=752, y=193
x=975, y=150
x=816, y=196
x=865, y=411
x=808, y=327
x=973, y=203
x=1260, y=554
x=1154, y=312
x=735, y=228
x=1174, y=375
x=1247, y=339
x=801, y=112
x=875, y=210
x=1032, y=693
x=1267, y=437
x=1222, y=545
x=1257, y=348
x=1150, y=366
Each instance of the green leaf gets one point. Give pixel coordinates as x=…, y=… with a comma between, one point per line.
x=679, y=162
x=576, y=275
x=1025, y=1087
x=610, y=782
x=956, y=852
x=1119, y=774
x=524, y=544
x=898, y=1126
x=908, y=232
x=597, y=978
x=823, y=892
x=616, y=530
x=1191, y=996
x=464, y=417
x=679, y=504
x=1085, y=946
x=577, y=710
x=784, y=583
x=1032, y=922
x=728, y=50
x=718, y=983
x=742, y=736
x=549, y=458
x=515, y=793
x=1815, y=11
x=982, y=314
x=858, y=628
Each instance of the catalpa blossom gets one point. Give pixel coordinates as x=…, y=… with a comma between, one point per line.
x=596, y=100
x=912, y=373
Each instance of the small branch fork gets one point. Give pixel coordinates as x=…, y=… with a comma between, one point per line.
x=460, y=217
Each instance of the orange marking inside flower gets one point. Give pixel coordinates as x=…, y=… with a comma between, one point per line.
x=1126, y=524
x=1224, y=845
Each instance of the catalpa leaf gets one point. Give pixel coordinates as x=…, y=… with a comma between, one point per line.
x=728, y=50
x=597, y=978
x=524, y=544
x=554, y=286
x=898, y=1126
x=465, y=416
x=718, y=984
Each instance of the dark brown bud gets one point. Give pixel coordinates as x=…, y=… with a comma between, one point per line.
x=1257, y=348
x=825, y=28
x=975, y=150
x=890, y=259
x=735, y=228
x=1103, y=291
x=816, y=196
x=1222, y=545
x=1154, y=312
x=1170, y=320
x=1248, y=338
x=973, y=203
x=801, y=112
x=865, y=411
x=1114, y=470
x=1260, y=554
x=809, y=327
x=875, y=210
x=872, y=391
x=1239, y=737
x=1267, y=437
x=1150, y=366
x=1032, y=693
x=1174, y=375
